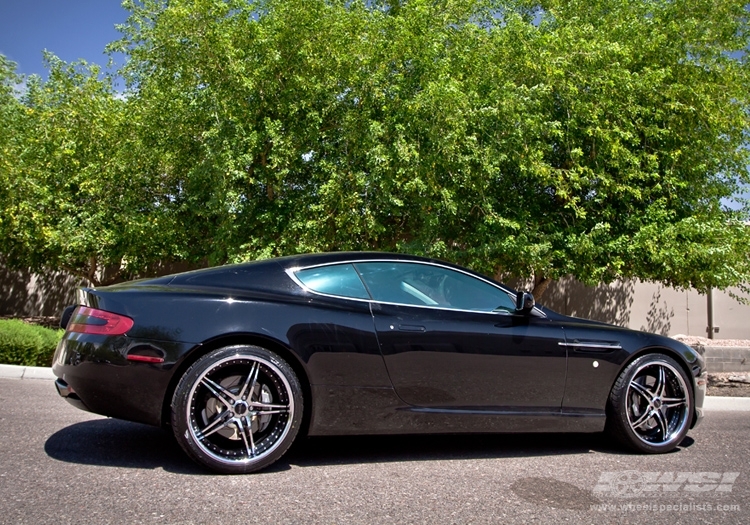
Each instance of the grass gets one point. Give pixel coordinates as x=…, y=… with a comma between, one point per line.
x=27, y=344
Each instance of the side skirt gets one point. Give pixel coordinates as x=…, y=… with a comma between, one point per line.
x=359, y=411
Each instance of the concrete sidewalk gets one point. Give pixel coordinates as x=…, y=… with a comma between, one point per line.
x=712, y=403
x=26, y=372
x=726, y=404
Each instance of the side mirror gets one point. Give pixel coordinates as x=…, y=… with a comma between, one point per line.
x=524, y=302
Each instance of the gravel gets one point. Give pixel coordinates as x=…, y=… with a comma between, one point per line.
x=729, y=384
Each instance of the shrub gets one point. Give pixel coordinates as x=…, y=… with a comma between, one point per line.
x=26, y=344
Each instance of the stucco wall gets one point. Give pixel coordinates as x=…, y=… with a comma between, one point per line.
x=651, y=307
x=23, y=293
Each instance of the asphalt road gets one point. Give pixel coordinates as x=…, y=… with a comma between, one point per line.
x=60, y=465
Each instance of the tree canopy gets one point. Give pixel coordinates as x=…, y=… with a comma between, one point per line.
x=595, y=138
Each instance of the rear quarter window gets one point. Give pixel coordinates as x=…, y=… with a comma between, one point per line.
x=337, y=279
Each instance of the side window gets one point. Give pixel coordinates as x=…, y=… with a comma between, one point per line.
x=337, y=279
x=427, y=285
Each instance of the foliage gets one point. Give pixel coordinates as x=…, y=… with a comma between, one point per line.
x=74, y=198
x=27, y=344
x=584, y=137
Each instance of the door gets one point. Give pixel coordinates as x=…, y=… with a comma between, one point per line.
x=452, y=340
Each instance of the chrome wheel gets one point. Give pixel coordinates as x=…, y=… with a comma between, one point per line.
x=238, y=409
x=657, y=403
x=651, y=404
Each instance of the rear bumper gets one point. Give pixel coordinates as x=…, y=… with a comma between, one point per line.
x=95, y=375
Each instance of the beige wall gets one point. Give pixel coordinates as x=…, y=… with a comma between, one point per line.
x=29, y=294
x=651, y=307
x=23, y=293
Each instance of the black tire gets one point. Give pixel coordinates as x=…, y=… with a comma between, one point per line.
x=651, y=404
x=237, y=409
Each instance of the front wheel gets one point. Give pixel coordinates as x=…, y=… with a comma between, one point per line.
x=237, y=409
x=651, y=404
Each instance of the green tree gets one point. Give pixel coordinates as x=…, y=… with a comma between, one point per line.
x=74, y=197
x=584, y=137
x=11, y=118
x=637, y=132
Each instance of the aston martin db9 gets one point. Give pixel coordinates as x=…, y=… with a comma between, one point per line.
x=239, y=361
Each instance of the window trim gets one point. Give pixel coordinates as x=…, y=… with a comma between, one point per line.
x=292, y=273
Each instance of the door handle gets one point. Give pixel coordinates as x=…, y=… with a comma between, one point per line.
x=411, y=328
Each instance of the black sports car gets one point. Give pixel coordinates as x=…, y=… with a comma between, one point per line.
x=240, y=360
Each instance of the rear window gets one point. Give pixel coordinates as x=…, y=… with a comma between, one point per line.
x=337, y=279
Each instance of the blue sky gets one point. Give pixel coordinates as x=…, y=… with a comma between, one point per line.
x=71, y=29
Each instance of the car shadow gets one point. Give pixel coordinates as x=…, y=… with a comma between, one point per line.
x=116, y=443
x=341, y=450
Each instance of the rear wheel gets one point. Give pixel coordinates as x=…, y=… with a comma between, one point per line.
x=237, y=409
x=651, y=404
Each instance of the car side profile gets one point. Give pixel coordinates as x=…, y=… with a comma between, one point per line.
x=240, y=360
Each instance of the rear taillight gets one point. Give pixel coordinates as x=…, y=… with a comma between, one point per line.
x=86, y=320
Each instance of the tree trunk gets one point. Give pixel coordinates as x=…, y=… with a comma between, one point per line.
x=85, y=274
x=540, y=286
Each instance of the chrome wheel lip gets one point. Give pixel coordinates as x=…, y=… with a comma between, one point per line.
x=280, y=439
x=659, y=404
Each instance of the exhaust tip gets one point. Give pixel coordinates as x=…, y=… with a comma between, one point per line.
x=64, y=389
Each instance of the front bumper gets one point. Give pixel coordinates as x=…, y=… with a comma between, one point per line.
x=700, y=384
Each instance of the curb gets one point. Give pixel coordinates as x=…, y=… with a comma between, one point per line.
x=726, y=404
x=26, y=372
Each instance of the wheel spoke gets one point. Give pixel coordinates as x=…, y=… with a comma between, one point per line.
x=673, y=402
x=269, y=412
x=662, y=421
x=246, y=431
x=252, y=377
x=215, y=425
x=221, y=393
x=257, y=404
x=641, y=420
x=642, y=390
x=661, y=383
